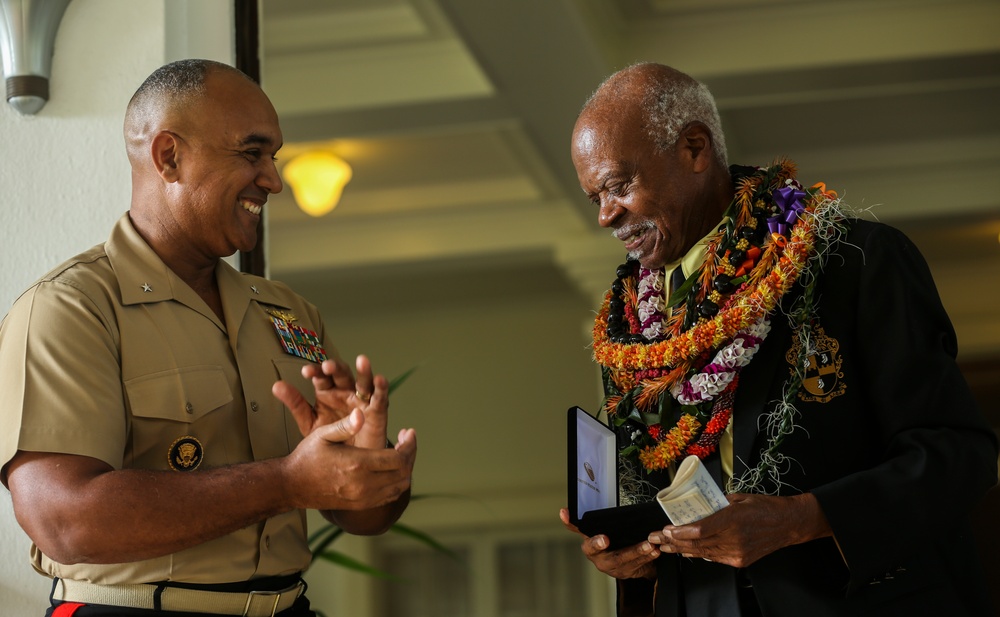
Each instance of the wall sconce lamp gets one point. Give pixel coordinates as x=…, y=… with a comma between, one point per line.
x=317, y=179
x=27, y=37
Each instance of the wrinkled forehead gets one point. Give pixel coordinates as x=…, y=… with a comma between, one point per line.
x=585, y=138
x=608, y=127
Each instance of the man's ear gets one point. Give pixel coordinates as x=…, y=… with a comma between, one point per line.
x=164, y=152
x=696, y=143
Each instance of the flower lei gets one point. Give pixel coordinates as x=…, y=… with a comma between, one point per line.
x=694, y=357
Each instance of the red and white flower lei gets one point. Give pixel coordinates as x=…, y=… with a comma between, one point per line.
x=716, y=376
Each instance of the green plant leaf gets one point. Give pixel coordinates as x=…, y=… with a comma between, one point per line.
x=350, y=563
x=608, y=381
x=446, y=496
x=399, y=379
x=326, y=535
x=426, y=539
x=681, y=293
x=625, y=406
x=333, y=532
x=325, y=529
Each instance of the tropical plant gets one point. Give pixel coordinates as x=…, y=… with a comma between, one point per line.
x=321, y=539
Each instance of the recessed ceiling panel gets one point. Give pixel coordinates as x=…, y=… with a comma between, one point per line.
x=406, y=173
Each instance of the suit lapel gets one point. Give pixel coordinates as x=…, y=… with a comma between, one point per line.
x=755, y=394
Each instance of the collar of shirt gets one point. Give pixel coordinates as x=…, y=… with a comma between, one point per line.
x=690, y=262
x=144, y=278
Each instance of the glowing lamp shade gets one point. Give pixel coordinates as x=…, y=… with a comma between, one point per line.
x=317, y=180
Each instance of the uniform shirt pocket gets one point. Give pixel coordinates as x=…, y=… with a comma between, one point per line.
x=181, y=395
x=290, y=370
x=172, y=410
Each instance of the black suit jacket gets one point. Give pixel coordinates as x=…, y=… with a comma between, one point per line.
x=890, y=442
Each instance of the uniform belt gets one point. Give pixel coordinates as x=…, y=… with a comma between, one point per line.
x=249, y=604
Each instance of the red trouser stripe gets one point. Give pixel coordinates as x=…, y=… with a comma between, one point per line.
x=66, y=609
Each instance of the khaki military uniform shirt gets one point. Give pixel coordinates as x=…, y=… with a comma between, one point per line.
x=112, y=356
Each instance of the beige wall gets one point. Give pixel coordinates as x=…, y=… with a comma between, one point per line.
x=496, y=373
x=64, y=176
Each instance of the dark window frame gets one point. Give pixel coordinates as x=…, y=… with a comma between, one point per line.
x=247, y=41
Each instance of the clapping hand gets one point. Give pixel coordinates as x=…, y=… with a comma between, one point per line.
x=338, y=393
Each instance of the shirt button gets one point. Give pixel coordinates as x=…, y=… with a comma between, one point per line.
x=253, y=405
x=267, y=542
x=189, y=408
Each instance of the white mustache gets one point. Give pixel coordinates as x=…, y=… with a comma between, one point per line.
x=627, y=231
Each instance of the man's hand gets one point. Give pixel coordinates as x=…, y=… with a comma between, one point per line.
x=338, y=393
x=72, y=506
x=752, y=527
x=326, y=474
x=632, y=562
x=363, y=494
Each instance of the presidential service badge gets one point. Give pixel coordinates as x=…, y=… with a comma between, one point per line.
x=823, y=378
x=185, y=454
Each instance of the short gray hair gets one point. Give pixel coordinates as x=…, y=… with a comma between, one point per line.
x=668, y=100
x=671, y=105
x=178, y=81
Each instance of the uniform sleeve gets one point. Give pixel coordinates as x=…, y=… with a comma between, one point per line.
x=60, y=389
x=939, y=455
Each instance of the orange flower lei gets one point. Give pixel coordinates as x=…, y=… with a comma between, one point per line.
x=747, y=310
x=673, y=445
x=769, y=275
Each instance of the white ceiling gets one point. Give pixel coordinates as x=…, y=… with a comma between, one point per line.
x=456, y=116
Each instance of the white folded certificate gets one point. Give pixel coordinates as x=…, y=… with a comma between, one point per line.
x=692, y=495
